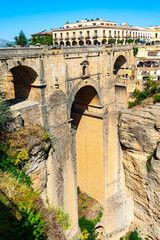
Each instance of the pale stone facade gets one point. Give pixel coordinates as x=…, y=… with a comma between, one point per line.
x=155, y=33
x=95, y=32
x=148, y=63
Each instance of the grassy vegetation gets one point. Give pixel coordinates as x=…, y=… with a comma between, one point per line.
x=151, y=89
x=131, y=236
x=23, y=215
x=90, y=213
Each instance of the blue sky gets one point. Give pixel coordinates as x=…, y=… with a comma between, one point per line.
x=34, y=16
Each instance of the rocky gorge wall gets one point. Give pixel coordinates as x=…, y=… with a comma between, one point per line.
x=139, y=133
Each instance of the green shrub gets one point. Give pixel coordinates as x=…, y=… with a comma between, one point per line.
x=148, y=165
x=151, y=87
x=8, y=164
x=111, y=40
x=121, y=41
x=135, y=51
x=134, y=236
x=62, y=218
x=130, y=41
x=46, y=136
x=30, y=226
x=88, y=225
x=100, y=214
x=157, y=98
x=78, y=190
x=131, y=104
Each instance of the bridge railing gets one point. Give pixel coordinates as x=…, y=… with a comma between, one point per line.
x=22, y=52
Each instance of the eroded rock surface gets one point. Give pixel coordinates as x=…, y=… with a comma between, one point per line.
x=139, y=137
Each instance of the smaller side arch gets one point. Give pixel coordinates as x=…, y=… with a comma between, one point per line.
x=18, y=82
x=119, y=65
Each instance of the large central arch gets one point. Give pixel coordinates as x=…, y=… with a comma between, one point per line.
x=89, y=142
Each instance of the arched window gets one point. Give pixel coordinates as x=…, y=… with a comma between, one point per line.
x=84, y=70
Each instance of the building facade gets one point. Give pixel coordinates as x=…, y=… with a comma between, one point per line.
x=42, y=34
x=155, y=33
x=93, y=32
x=148, y=63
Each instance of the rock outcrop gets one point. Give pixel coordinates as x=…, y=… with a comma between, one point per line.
x=139, y=137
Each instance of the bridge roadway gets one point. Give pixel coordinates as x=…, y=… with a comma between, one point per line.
x=10, y=52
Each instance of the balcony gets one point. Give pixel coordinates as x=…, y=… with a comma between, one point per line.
x=66, y=38
x=73, y=37
x=110, y=36
x=95, y=36
x=104, y=36
x=87, y=37
x=55, y=38
x=61, y=38
x=80, y=37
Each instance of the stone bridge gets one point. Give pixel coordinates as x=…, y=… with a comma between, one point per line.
x=75, y=93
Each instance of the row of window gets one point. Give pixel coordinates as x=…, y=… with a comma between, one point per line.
x=116, y=34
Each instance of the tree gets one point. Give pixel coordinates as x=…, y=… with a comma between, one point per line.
x=135, y=51
x=121, y=41
x=50, y=40
x=130, y=40
x=111, y=40
x=137, y=40
x=21, y=39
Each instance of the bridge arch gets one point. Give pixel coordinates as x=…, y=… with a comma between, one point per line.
x=78, y=86
x=119, y=65
x=88, y=126
x=18, y=82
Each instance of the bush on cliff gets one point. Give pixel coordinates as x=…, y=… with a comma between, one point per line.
x=151, y=89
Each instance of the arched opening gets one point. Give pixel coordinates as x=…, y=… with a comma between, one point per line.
x=96, y=42
x=55, y=43
x=68, y=43
x=62, y=43
x=17, y=83
x=88, y=42
x=81, y=43
x=74, y=43
x=120, y=66
x=100, y=231
x=104, y=41
x=88, y=126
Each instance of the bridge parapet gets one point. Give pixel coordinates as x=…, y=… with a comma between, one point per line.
x=22, y=52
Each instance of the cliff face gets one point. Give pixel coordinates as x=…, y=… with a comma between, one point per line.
x=139, y=137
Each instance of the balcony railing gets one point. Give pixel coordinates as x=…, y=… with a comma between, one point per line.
x=95, y=36
x=80, y=37
x=55, y=38
x=104, y=36
x=66, y=38
x=87, y=37
x=73, y=37
x=61, y=38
